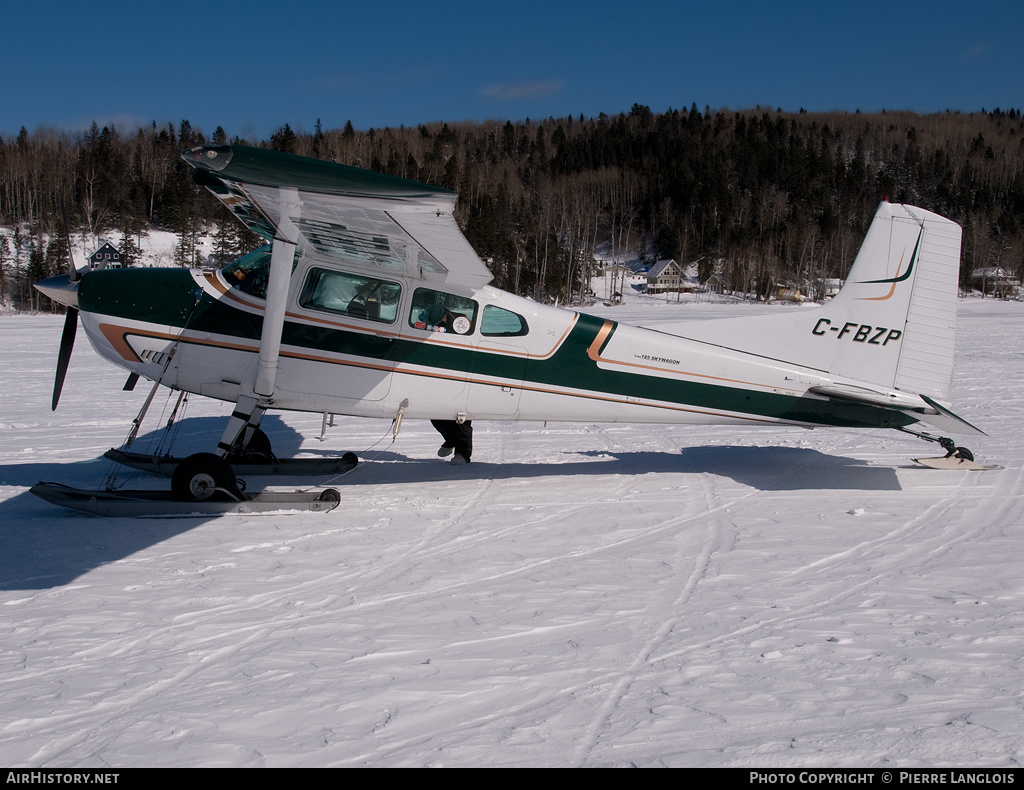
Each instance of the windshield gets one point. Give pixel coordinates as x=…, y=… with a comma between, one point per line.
x=251, y=273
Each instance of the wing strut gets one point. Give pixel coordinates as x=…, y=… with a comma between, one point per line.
x=249, y=409
x=281, y=256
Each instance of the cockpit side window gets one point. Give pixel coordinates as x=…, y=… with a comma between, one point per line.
x=436, y=311
x=499, y=322
x=353, y=295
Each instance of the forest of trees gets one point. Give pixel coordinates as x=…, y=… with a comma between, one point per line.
x=766, y=196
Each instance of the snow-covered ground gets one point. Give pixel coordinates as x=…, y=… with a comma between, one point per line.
x=580, y=595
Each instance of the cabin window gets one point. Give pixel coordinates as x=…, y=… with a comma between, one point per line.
x=499, y=322
x=436, y=311
x=352, y=295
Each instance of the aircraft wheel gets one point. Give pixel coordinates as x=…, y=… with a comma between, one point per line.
x=329, y=495
x=963, y=452
x=259, y=450
x=350, y=458
x=198, y=478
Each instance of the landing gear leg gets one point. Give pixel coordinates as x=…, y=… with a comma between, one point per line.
x=947, y=444
x=242, y=431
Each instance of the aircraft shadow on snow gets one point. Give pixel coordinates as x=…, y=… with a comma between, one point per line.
x=762, y=468
x=46, y=547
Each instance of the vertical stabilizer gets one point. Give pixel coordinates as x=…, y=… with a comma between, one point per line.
x=904, y=280
x=891, y=326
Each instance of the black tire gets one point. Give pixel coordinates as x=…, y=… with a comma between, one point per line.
x=963, y=452
x=204, y=476
x=350, y=458
x=329, y=495
x=259, y=451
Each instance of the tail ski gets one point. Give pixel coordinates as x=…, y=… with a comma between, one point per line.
x=887, y=337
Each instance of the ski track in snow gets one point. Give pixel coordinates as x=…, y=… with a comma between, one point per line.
x=580, y=595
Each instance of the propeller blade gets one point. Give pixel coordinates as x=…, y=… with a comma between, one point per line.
x=73, y=274
x=67, y=343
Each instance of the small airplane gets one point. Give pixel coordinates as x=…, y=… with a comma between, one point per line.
x=369, y=301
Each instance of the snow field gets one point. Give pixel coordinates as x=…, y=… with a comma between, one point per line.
x=580, y=595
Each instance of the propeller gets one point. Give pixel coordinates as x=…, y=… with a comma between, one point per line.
x=67, y=338
x=67, y=343
x=64, y=289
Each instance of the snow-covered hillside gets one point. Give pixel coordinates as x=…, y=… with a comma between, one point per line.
x=582, y=595
x=157, y=250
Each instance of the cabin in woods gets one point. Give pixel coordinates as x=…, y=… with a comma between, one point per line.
x=106, y=257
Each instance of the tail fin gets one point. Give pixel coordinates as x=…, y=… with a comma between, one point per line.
x=900, y=295
x=893, y=323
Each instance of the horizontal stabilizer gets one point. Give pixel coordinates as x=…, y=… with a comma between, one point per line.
x=850, y=392
x=947, y=421
x=921, y=407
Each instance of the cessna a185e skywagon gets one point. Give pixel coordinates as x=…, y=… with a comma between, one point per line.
x=369, y=301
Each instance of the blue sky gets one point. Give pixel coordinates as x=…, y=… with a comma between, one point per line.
x=251, y=67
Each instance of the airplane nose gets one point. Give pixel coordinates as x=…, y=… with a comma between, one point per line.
x=60, y=289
